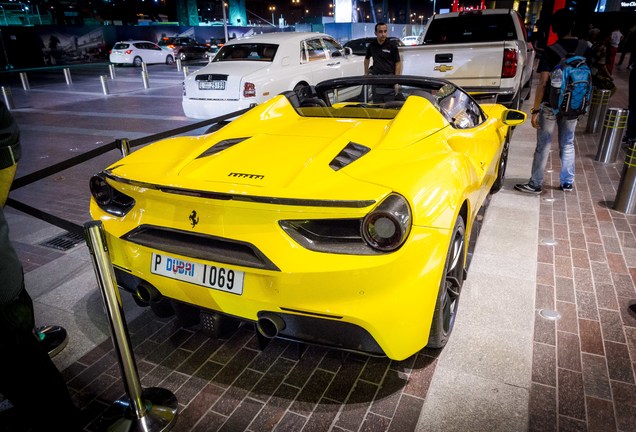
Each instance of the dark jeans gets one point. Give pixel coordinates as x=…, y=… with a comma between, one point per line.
x=28, y=377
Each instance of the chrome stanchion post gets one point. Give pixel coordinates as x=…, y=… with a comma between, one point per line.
x=104, y=80
x=598, y=107
x=25, y=81
x=178, y=62
x=67, y=76
x=144, y=67
x=8, y=97
x=111, y=70
x=625, y=201
x=144, y=78
x=148, y=410
x=612, y=134
x=186, y=71
x=124, y=146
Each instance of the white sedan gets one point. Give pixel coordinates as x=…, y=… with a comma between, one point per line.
x=251, y=70
x=136, y=52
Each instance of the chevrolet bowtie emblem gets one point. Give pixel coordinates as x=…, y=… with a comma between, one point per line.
x=443, y=68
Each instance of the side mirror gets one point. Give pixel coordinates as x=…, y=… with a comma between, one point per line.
x=348, y=51
x=511, y=117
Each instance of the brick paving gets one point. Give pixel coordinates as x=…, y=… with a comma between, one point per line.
x=229, y=384
x=583, y=363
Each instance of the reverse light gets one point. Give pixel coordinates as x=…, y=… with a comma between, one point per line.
x=509, y=68
x=108, y=198
x=249, y=90
x=388, y=225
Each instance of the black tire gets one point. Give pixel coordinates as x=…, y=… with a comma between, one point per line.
x=450, y=288
x=501, y=168
x=137, y=61
x=516, y=102
x=169, y=60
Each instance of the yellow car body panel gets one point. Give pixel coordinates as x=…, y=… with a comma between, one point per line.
x=280, y=171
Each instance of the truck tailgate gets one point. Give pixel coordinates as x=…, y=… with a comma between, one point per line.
x=466, y=65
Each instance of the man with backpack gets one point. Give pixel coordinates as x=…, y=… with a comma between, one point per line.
x=562, y=95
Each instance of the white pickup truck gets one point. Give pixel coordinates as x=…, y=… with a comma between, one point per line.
x=485, y=52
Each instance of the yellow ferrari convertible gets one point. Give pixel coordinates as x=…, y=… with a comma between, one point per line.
x=342, y=215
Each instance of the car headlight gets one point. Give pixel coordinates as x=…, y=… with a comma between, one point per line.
x=388, y=225
x=108, y=198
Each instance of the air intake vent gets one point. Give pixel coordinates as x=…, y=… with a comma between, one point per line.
x=220, y=146
x=350, y=153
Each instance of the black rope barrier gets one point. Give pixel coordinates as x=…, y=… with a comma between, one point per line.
x=81, y=158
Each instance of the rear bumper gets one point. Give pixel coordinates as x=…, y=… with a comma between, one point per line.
x=210, y=108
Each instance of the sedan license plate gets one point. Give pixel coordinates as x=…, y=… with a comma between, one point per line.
x=209, y=276
x=212, y=85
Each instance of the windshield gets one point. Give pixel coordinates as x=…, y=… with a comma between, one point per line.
x=470, y=28
x=246, y=51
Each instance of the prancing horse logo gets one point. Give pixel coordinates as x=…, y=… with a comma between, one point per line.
x=194, y=219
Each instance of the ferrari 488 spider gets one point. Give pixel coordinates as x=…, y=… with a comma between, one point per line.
x=326, y=218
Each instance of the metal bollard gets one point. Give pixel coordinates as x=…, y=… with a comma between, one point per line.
x=124, y=146
x=611, y=135
x=625, y=201
x=152, y=409
x=104, y=80
x=186, y=71
x=144, y=67
x=178, y=65
x=67, y=76
x=111, y=70
x=8, y=97
x=144, y=78
x=25, y=81
x=598, y=107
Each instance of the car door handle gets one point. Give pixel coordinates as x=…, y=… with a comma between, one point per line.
x=333, y=64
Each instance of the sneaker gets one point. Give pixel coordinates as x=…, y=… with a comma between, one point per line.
x=567, y=187
x=528, y=188
x=52, y=338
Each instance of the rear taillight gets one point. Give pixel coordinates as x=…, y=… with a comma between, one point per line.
x=171, y=46
x=249, y=90
x=110, y=52
x=128, y=51
x=509, y=69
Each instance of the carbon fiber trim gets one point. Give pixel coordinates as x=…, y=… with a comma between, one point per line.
x=200, y=246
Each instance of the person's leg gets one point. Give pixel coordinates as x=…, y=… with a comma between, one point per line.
x=547, y=122
x=28, y=377
x=566, y=129
x=6, y=178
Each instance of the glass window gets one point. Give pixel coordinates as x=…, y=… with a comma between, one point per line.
x=333, y=47
x=315, y=50
x=470, y=28
x=248, y=51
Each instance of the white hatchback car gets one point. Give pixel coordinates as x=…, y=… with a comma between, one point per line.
x=251, y=70
x=137, y=52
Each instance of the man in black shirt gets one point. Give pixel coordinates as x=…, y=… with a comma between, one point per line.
x=386, y=61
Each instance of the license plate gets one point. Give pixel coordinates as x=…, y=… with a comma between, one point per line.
x=212, y=85
x=209, y=276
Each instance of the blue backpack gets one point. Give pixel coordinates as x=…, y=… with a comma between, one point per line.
x=572, y=97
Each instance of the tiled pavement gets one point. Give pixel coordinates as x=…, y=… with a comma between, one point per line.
x=580, y=375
